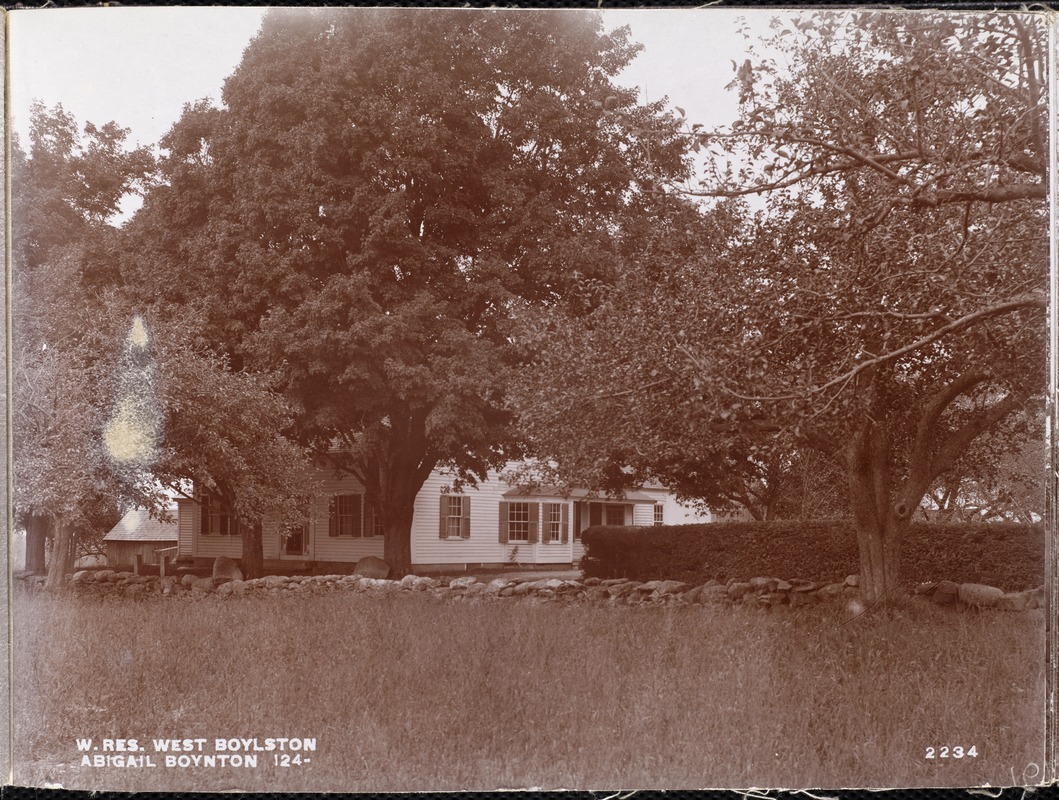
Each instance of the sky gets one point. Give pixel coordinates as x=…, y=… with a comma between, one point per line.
x=139, y=66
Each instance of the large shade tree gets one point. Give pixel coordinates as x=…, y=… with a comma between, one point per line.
x=68, y=182
x=379, y=193
x=887, y=308
x=109, y=406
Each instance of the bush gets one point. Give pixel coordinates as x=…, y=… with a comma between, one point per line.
x=1007, y=555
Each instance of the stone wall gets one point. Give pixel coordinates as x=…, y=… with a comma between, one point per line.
x=758, y=592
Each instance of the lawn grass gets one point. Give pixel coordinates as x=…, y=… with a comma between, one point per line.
x=408, y=692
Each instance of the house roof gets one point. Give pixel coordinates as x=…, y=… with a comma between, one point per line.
x=139, y=526
x=577, y=494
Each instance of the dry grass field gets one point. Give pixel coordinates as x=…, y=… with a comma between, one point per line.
x=406, y=692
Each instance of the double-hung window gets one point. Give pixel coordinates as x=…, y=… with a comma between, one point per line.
x=217, y=518
x=454, y=517
x=518, y=522
x=556, y=519
x=345, y=515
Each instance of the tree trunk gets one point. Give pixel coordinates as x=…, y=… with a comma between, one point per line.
x=397, y=544
x=37, y=529
x=61, y=551
x=253, y=561
x=879, y=525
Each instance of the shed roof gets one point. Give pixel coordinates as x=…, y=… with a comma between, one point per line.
x=139, y=526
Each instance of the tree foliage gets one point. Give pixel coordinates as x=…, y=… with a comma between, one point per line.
x=378, y=195
x=67, y=185
x=886, y=308
x=109, y=407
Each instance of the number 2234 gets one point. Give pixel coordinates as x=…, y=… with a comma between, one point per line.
x=952, y=752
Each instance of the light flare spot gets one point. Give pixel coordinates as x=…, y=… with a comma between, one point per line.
x=129, y=437
x=138, y=334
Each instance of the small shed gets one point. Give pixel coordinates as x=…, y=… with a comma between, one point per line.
x=138, y=537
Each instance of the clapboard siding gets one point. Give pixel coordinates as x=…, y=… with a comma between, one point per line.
x=483, y=546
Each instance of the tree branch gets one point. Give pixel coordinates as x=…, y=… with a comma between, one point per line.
x=963, y=322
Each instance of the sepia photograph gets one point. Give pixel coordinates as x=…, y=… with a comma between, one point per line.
x=485, y=399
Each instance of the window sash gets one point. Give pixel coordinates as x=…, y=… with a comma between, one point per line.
x=346, y=518
x=553, y=528
x=518, y=522
x=454, y=517
x=217, y=518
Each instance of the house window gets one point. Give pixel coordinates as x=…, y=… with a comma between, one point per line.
x=553, y=522
x=293, y=540
x=454, y=517
x=518, y=522
x=345, y=515
x=615, y=515
x=659, y=517
x=217, y=518
x=372, y=520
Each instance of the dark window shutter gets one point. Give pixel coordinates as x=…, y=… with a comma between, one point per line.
x=534, y=523
x=465, y=519
x=503, y=522
x=443, y=518
x=204, y=518
x=565, y=525
x=332, y=513
x=577, y=520
x=595, y=514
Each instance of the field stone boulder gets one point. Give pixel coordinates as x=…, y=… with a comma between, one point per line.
x=203, y=585
x=831, y=590
x=407, y=581
x=463, y=583
x=801, y=598
x=978, y=595
x=738, y=589
x=188, y=580
x=372, y=567
x=692, y=594
x=762, y=585
x=773, y=599
x=496, y=585
x=672, y=587
x=79, y=576
x=226, y=569
x=1018, y=601
x=853, y=581
x=713, y=595
x=423, y=583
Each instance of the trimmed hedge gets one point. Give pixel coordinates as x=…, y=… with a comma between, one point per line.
x=1007, y=555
